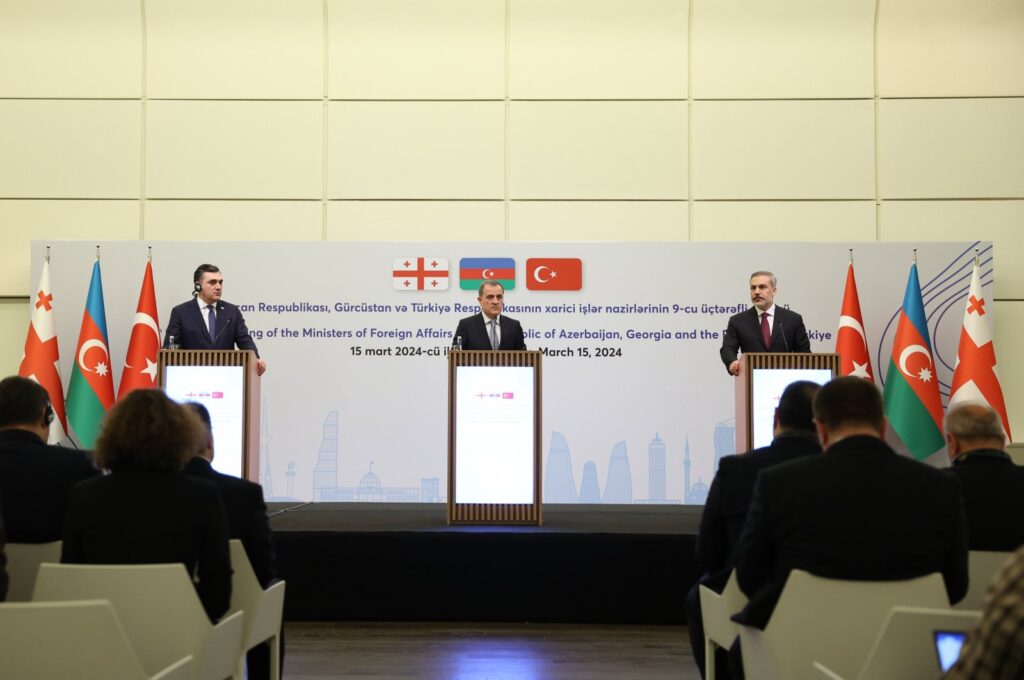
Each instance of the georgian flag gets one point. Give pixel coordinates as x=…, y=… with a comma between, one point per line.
x=420, y=273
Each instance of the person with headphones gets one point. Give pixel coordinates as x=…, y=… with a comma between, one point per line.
x=207, y=322
x=34, y=478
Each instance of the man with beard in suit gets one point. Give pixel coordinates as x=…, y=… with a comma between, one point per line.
x=207, y=322
x=490, y=329
x=765, y=327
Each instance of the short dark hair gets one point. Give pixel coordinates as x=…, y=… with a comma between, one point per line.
x=22, y=401
x=147, y=430
x=480, y=290
x=204, y=269
x=849, y=401
x=795, y=406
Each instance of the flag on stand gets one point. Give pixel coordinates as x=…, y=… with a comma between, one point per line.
x=851, y=341
x=912, y=402
x=42, y=358
x=975, y=378
x=91, y=391
x=140, y=360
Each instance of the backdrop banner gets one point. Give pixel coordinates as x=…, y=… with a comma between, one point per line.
x=638, y=407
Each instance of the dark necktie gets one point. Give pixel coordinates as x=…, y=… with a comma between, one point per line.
x=766, y=332
x=212, y=320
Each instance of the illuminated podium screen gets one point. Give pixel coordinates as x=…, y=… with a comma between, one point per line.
x=494, y=427
x=767, y=386
x=221, y=389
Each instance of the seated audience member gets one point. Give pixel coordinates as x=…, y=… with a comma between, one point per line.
x=729, y=498
x=859, y=511
x=247, y=521
x=993, y=487
x=34, y=477
x=4, y=580
x=994, y=650
x=145, y=511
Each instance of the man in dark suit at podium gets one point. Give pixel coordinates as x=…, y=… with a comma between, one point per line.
x=765, y=327
x=207, y=322
x=490, y=329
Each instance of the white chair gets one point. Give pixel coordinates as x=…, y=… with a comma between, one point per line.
x=263, y=608
x=982, y=565
x=160, y=610
x=716, y=610
x=23, y=560
x=82, y=639
x=831, y=621
x=905, y=649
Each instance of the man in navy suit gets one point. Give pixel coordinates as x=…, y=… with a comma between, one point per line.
x=490, y=329
x=765, y=327
x=207, y=322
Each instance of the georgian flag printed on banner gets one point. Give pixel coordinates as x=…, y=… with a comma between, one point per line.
x=554, y=273
x=420, y=273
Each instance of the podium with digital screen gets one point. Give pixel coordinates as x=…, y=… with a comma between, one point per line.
x=494, y=462
x=762, y=379
x=225, y=382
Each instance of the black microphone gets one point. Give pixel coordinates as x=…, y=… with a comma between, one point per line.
x=782, y=332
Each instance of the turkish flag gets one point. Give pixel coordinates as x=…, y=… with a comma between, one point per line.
x=554, y=273
x=140, y=361
x=851, y=340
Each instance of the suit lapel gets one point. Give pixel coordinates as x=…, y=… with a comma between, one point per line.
x=197, y=316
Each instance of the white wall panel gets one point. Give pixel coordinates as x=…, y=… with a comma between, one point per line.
x=235, y=49
x=951, y=148
x=14, y=316
x=416, y=49
x=598, y=220
x=224, y=149
x=70, y=48
x=1000, y=222
x=70, y=149
x=784, y=221
x=443, y=150
x=233, y=220
x=783, y=49
x=950, y=49
x=21, y=222
x=589, y=49
x=415, y=220
x=603, y=150
x=783, y=149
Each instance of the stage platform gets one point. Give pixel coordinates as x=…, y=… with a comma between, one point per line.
x=401, y=562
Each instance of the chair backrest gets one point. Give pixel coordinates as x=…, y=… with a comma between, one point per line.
x=157, y=604
x=23, y=560
x=717, y=611
x=263, y=608
x=982, y=565
x=905, y=649
x=832, y=621
x=81, y=639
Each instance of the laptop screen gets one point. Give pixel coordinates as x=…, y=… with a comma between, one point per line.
x=947, y=646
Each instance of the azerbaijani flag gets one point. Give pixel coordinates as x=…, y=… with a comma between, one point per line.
x=912, y=402
x=91, y=392
x=474, y=271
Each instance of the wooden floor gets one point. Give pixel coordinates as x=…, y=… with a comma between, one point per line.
x=467, y=651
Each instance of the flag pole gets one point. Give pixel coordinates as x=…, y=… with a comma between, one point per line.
x=97, y=252
x=976, y=258
x=149, y=253
x=915, y=255
x=851, y=255
x=47, y=253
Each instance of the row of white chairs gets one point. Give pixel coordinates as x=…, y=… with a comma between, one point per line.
x=826, y=628
x=153, y=609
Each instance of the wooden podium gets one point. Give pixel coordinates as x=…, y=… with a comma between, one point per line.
x=778, y=367
x=494, y=437
x=240, y=442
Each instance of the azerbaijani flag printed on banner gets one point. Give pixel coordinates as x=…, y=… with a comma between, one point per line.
x=91, y=392
x=912, y=402
x=474, y=271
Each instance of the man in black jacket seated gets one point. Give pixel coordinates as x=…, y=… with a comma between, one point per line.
x=729, y=497
x=34, y=478
x=993, y=487
x=247, y=521
x=859, y=511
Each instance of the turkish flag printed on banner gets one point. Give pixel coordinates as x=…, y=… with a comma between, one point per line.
x=554, y=273
x=140, y=362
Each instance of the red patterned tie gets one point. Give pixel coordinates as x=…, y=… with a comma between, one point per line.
x=766, y=332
